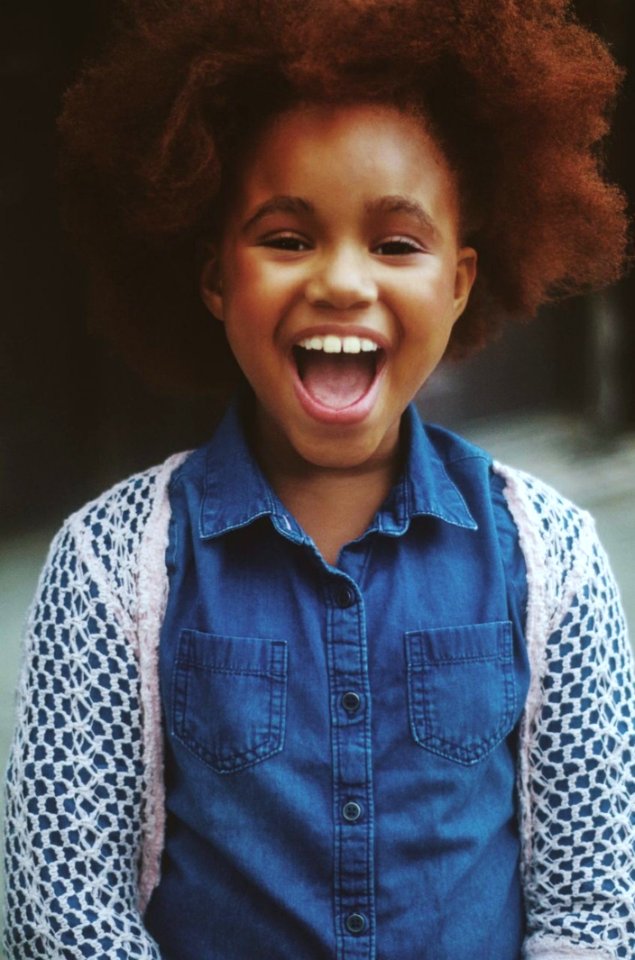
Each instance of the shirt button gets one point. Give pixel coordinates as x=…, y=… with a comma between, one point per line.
x=356, y=923
x=345, y=597
x=351, y=811
x=351, y=701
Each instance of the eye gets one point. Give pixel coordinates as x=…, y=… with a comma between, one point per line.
x=289, y=242
x=398, y=247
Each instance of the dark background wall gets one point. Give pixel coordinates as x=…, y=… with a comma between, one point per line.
x=72, y=419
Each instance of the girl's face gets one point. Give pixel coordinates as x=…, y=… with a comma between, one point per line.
x=339, y=278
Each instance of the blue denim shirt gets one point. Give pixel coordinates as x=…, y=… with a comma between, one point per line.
x=341, y=741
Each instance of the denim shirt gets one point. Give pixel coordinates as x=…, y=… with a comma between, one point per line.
x=341, y=740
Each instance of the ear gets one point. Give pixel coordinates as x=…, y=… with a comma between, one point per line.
x=466, y=269
x=211, y=286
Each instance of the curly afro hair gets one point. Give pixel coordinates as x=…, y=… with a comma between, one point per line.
x=517, y=92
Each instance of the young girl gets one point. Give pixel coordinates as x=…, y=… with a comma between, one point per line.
x=334, y=685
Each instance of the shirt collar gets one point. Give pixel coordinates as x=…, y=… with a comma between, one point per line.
x=236, y=492
x=425, y=487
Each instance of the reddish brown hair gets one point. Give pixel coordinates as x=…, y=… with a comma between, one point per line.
x=518, y=94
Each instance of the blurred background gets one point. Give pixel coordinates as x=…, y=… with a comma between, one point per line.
x=556, y=397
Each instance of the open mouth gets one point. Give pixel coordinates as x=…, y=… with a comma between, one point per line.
x=337, y=371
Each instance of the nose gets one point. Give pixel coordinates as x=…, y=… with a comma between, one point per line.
x=341, y=280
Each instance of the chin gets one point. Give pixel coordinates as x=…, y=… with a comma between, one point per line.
x=338, y=454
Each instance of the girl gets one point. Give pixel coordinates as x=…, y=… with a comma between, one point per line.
x=334, y=685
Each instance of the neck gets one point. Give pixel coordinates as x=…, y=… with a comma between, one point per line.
x=333, y=505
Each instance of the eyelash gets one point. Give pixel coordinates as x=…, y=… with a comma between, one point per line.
x=405, y=246
x=287, y=241
x=291, y=243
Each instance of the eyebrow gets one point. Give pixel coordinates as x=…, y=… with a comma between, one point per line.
x=401, y=204
x=279, y=204
x=381, y=205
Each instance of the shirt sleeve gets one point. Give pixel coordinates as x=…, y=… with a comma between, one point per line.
x=579, y=824
x=75, y=777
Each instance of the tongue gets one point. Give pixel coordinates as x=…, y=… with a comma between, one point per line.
x=337, y=380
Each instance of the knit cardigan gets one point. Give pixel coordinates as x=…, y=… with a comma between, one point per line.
x=85, y=806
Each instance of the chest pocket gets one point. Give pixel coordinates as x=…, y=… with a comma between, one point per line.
x=461, y=689
x=229, y=698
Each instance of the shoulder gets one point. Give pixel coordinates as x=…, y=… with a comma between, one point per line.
x=559, y=541
x=452, y=448
x=129, y=501
x=550, y=526
x=111, y=532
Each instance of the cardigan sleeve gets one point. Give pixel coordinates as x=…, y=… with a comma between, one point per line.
x=75, y=783
x=577, y=764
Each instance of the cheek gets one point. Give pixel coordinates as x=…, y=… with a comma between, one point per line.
x=426, y=305
x=251, y=321
x=254, y=287
x=443, y=283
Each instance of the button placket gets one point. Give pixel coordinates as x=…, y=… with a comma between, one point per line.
x=352, y=780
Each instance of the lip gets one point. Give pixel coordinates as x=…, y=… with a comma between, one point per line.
x=353, y=413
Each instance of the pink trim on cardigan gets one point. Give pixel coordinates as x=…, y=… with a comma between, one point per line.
x=152, y=598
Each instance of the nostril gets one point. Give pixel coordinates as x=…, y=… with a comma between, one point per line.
x=341, y=290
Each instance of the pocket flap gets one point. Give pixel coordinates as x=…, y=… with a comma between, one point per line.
x=229, y=698
x=461, y=688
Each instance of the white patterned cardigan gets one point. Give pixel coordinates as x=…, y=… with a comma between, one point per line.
x=85, y=813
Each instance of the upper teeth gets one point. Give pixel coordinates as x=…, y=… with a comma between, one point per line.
x=331, y=343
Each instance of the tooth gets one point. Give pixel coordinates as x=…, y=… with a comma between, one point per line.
x=332, y=344
x=351, y=345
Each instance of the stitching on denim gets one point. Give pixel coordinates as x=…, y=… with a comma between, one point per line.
x=229, y=671
x=421, y=709
x=276, y=694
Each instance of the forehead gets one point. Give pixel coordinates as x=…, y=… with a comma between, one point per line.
x=336, y=156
